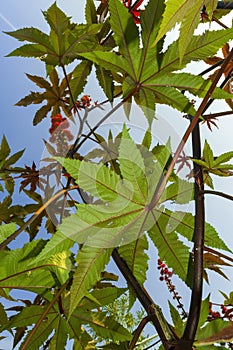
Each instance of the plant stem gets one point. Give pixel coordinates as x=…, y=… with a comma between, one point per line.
x=225, y=5
x=144, y=298
x=199, y=227
x=217, y=193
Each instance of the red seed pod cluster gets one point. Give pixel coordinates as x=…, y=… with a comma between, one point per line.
x=133, y=9
x=86, y=100
x=60, y=129
x=166, y=275
x=225, y=312
x=213, y=315
x=83, y=103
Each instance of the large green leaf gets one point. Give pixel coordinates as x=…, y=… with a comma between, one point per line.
x=124, y=213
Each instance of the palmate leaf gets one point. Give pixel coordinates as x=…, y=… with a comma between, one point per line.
x=63, y=43
x=55, y=94
x=170, y=248
x=214, y=165
x=124, y=215
x=57, y=327
x=187, y=13
x=124, y=212
x=147, y=73
x=37, y=336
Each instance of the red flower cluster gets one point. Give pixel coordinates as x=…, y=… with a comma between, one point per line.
x=60, y=129
x=133, y=9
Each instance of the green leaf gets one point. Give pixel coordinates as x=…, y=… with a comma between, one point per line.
x=109, y=60
x=39, y=81
x=179, y=325
x=91, y=262
x=170, y=248
x=79, y=78
x=94, y=178
x=223, y=158
x=14, y=158
x=186, y=228
x=106, y=81
x=216, y=331
x=63, y=43
x=125, y=33
x=104, y=296
x=57, y=20
x=19, y=269
x=59, y=339
x=58, y=243
x=5, y=148
x=200, y=47
x=29, y=50
x=100, y=324
x=132, y=167
x=33, y=97
x=180, y=191
x=212, y=238
x=41, y=114
x=188, y=13
x=205, y=307
x=208, y=154
x=90, y=12
x=55, y=95
x=33, y=35
x=40, y=334
x=136, y=258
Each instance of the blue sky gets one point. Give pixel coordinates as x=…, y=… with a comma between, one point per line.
x=16, y=122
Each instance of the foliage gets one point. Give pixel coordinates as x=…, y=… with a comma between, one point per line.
x=89, y=208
